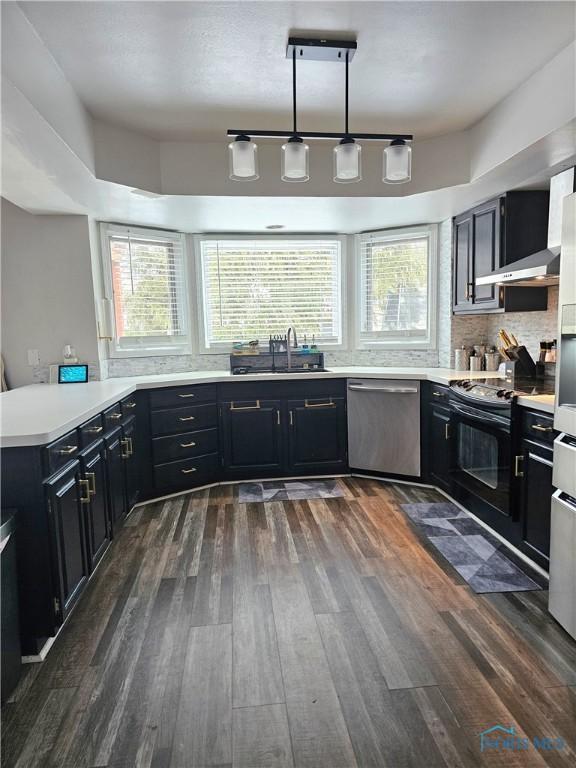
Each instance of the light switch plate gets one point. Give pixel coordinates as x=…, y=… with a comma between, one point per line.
x=33, y=357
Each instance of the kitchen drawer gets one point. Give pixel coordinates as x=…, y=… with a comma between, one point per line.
x=439, y=394
x=112, y=417
x=184, y=445
x=538, y=427
x=61, y=451
x=91, y=431
x=174, y=420
x=179, y=475
x=177, y=397
x=128, y=406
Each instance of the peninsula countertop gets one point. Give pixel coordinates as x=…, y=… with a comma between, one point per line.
x=39, y=413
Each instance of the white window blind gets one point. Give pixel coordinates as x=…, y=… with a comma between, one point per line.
x=146, y=288
x=257, y=287
x=395, y=301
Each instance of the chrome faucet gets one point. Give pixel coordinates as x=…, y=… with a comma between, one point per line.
x=291, y=332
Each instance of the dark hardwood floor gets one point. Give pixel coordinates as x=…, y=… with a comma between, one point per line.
x=317, y=633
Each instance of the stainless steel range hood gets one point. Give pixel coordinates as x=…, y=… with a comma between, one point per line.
x=538, y=269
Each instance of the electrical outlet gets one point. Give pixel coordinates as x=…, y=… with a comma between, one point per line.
x=33, y=357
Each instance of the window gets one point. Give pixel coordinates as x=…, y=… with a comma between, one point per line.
x=145, y=283
x=397, y=288
x=251, y=288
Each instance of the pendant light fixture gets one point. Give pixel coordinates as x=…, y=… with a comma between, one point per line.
x=243, y=159
x=397, y=162
x=347, y=153
x=294, y=152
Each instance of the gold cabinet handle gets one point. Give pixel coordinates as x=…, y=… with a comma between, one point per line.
x=541, y=428
x=94, y=430
x=329, y=404
x=437, y=394
x=277, y=416
x=115, y=415
x=91, y=477
x=129, y=405
x=67, y=450
x=85, y=484
x=291, y=419
x=517, y=471
x=187, y=418
x=447, y=431
x=245, y=407
x=125, y=443
x=188, y=471
x=187, y=445
x=190, y=394
x=130, y=446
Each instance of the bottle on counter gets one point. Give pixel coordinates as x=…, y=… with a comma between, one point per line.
x=461, y=358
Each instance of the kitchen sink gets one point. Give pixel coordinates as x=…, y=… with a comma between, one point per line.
x=242, y=372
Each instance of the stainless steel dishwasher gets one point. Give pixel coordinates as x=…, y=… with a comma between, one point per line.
x=384, y=426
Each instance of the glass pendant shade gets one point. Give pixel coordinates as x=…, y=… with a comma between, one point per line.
x=347, y=162
x=243, y=159
x=397, y=162
x=295, y=160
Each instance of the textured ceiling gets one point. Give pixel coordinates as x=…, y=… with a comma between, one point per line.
x=190, y=70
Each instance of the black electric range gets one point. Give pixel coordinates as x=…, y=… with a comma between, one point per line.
x=501, y=392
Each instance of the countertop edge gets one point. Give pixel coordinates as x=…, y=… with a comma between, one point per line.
x=122, y=387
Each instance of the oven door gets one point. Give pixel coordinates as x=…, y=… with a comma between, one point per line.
x=481, y=454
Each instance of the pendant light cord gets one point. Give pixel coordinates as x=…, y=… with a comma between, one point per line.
x=294, y=87
x=346, y=99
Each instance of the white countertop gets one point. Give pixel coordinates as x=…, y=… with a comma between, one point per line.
x=40, y=413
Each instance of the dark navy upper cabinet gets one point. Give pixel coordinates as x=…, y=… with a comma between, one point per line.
x=491, y=235
x=317, y=435
x=251, y=435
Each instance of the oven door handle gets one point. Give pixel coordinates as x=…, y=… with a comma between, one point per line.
x=481, y=416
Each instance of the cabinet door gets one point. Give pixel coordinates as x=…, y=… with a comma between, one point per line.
x=316, y=435
x=463, y=281
x=130, y=455
x=536, y=500
x=67, y=496
x=486, y=253
x=438, y=447
x=116, y=479
x=97, y=514
x=252, y=437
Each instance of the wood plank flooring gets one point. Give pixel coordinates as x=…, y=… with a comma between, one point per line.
x=315, y=634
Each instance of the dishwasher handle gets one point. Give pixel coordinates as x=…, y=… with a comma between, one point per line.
x=387, y=390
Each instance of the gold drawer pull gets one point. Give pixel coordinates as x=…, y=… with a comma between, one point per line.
x=84, y=484
x=329, y=404
x=188, y=395
x=130, y=446
x=188, y=471
x=245, y=407
x=125, y=443
x=115, y=415
x=91, y=476
x=94, y=430
x=129, y=405
x=187, y=445
x=68, y=450
x=437, y=394
x=187, y=418
x=517, y=471
x=541, y=428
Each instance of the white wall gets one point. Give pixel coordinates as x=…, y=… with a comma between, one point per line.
x=47, y=290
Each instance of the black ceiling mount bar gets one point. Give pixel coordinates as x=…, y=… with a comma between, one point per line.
x=294, y=88
x=346, y=98
x=321, y=135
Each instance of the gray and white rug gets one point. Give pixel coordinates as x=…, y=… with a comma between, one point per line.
x=292, y=490
x=476, y=555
